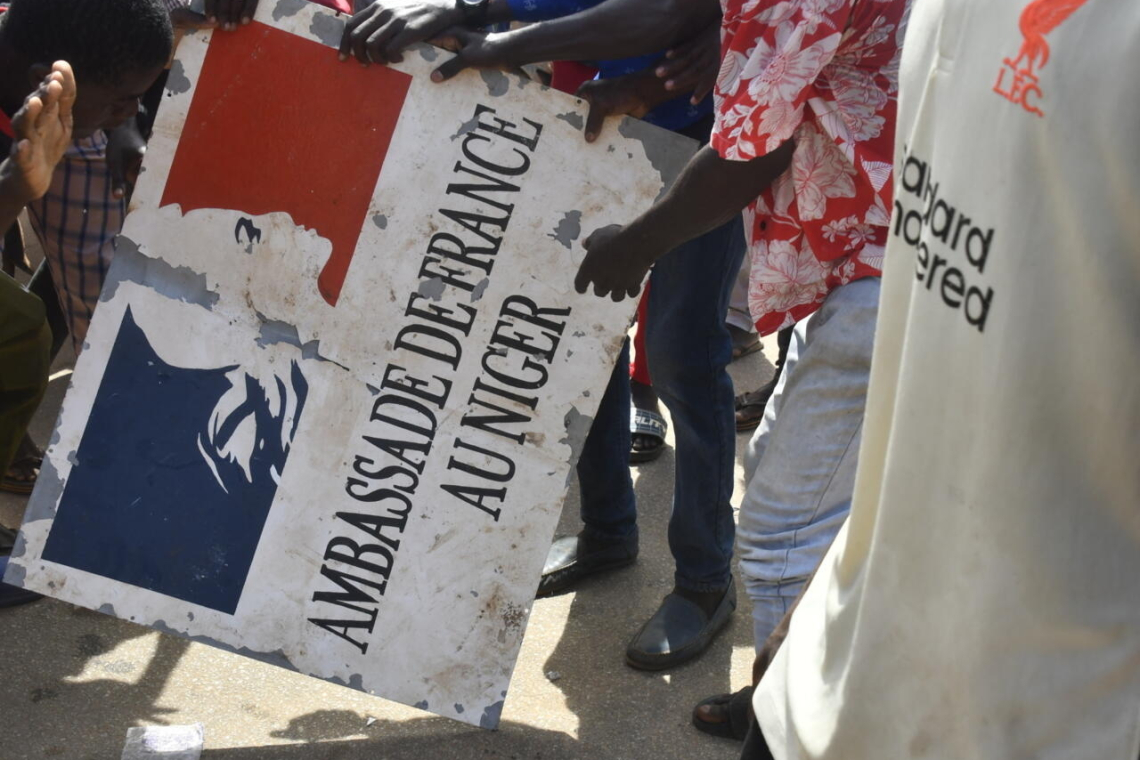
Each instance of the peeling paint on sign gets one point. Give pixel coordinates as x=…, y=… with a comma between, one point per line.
x=328, y=29
x=351, y=413
x=49, y=488
x=176, y=81
x=491, y=715
x=15, y=574
x=577, y=426
x=569, y=228
x=274, y=331
x=496, y=81
x=479, y=289
x=432, y=288
x=573, y=118
x=287, y=8
x=466, y=127
x=659, y=148
x=181, y=282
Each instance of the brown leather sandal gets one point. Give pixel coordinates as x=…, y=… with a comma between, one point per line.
x=725, y=715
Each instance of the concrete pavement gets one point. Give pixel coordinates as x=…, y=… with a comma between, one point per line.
x=74, y=681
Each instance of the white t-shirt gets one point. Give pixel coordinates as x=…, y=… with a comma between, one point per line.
x=983, y=600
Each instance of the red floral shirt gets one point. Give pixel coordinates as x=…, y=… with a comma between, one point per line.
x=826, y=73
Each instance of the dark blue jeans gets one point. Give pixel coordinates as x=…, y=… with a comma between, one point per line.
x=689, y=349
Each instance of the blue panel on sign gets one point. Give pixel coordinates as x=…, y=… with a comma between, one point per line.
x=175, y=474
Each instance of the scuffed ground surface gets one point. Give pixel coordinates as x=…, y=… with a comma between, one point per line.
x=74, y=681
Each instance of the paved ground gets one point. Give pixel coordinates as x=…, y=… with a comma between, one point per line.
x=73, y=681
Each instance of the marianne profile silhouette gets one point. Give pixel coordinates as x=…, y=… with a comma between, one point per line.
x=176, y=473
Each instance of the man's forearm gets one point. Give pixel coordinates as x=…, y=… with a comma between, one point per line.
x=709, y=192
x=612, y=30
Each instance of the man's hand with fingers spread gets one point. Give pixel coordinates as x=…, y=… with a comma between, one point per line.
x=186, y=19
x=42, y=134
x=381, y=32
x=621, y=96
x=473, y=50
x=125, y=150
x=693, y=66
x=615, y=264
x=631, y=95
x=228, y=14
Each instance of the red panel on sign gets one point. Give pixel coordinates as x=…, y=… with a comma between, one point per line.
x=279, y=124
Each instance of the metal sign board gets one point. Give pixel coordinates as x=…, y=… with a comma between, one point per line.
x=337, y=382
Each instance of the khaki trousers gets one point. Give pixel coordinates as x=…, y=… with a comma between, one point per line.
x=25, y=347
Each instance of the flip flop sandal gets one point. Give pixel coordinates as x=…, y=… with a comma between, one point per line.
x=732, y=708
x=743, y=342
x=649, y=425
x=750, y=407
x=21, y=486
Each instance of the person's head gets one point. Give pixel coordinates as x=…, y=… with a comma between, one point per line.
x=117, y=49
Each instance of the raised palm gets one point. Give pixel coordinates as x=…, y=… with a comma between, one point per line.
x=42, y=129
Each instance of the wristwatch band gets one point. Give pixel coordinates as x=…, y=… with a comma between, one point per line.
x=474, y=11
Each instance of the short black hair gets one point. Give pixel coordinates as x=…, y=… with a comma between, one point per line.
x=103, y=40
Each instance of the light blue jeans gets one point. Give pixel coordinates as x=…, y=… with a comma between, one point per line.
x=800, y=464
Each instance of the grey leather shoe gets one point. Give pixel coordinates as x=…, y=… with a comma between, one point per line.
x=679, y=631
x=573, y=558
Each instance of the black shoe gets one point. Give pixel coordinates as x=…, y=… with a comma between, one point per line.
x=575, y=557
x=679, y=631
x=11, y=596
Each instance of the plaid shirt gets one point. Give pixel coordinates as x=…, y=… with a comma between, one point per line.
x=76, y=223
x=78, y=220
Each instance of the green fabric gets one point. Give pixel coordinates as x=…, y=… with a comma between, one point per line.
x=25, y=347
x=21, y=312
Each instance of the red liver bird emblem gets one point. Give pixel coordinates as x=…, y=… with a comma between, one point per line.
x=1038, y=19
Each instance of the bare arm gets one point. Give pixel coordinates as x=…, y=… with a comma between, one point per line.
x=709, y=192
x=43, y=132
x=613, y=29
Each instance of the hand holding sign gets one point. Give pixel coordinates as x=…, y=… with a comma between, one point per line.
x=227, y=14
x=612, y=97
x=614, y=263
x=693, y=66
x=381, y=32
x=477, y=50
x=125, y=150
x=366, y=461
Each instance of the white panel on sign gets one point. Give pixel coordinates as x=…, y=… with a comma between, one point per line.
x=334, y=391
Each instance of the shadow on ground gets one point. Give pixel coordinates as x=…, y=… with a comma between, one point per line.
x=59, y=684
x=74, y=681
x=621, y=713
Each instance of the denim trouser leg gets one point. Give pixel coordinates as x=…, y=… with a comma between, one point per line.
x=689, y=349
x=800, y=464
x=609, y=509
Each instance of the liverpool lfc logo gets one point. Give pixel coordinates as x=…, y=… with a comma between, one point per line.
x=1038, y=19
